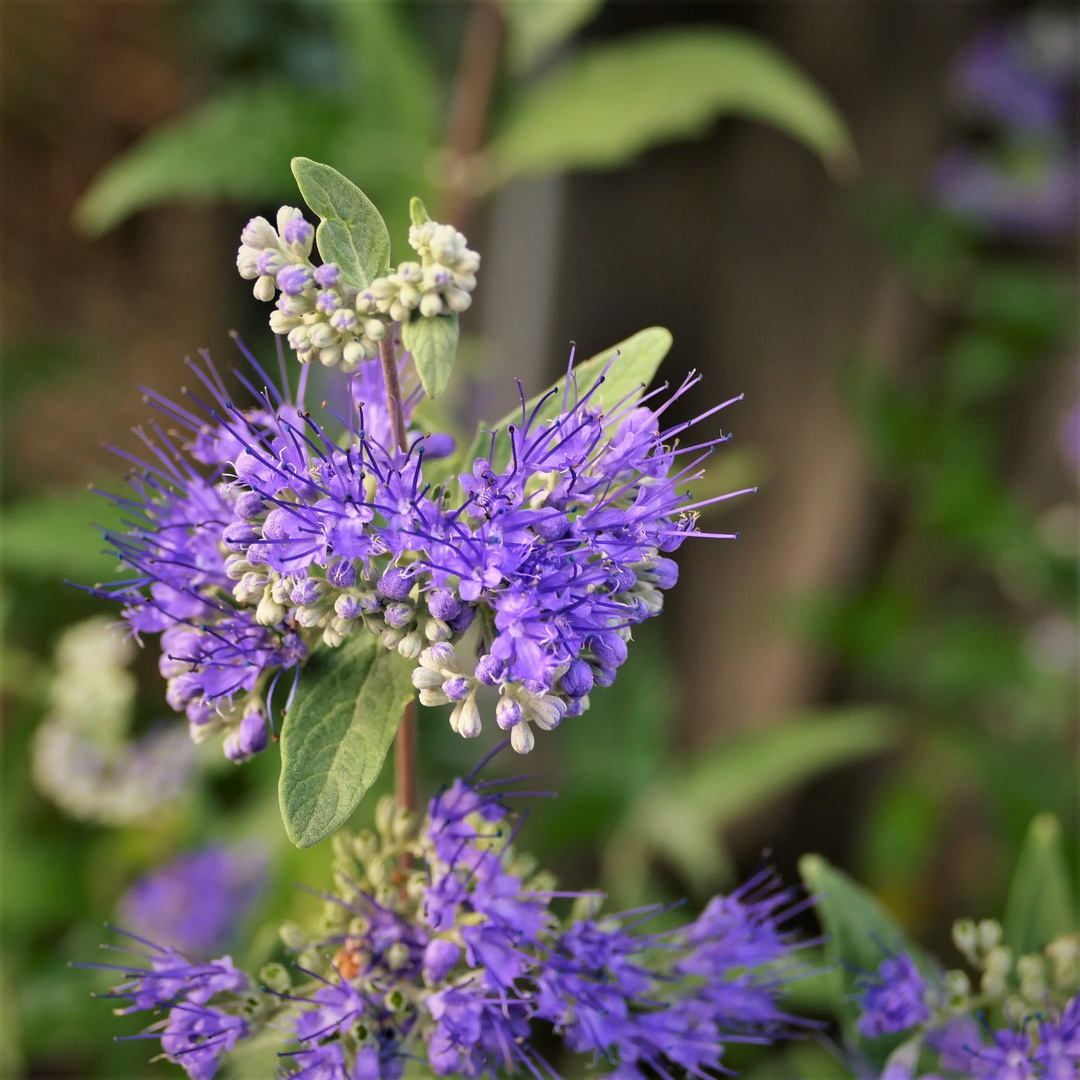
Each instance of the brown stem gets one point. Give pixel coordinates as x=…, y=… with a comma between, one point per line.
x=474, y=83
x=405, y=739
x=405, y=759
x=393, y=390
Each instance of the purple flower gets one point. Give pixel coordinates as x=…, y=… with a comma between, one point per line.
x=1058, y=1053
x=893, y=1000
x=197, y=1035
x=196, y=902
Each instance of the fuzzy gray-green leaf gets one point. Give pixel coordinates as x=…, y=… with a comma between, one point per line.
x=351, y=231
x=433, y=344
x=337, y=734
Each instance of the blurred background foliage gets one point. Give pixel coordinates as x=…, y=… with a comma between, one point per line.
x=882, y=670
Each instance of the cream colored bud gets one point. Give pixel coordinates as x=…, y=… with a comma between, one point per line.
x=281, y=323
x=989, y=934
x=399, y=312
x=265, y=289
x=468, y=718
x=458, y=301
x=330, y=356
x=521, y=737
x=353, y=353
x=375, y=329
x=433, y=697
x=410, y=273
x=431, y=305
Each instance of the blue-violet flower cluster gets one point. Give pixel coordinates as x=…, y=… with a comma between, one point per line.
x=441, y=943
x=1019, y=1021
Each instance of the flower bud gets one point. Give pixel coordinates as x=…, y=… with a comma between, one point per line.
x=259, y=233
x=327, y=275
x=434, y=630
x=432, y=698
x=264, y=288
x=468, y=723
x=343, y=320
x=399, y=614
x=411, y=645
x=457, y=687
x=577, y=680
x=270, y=263
x=252, y=735
x=522, y=739
x=489, y=670
x=375, y=329
x=347, y=607
x=443, y=604
x=281, y=323
x=299, y=233
x=430, y=305
x=395, y=584
x=458, y=301
x=269, y=612
x=507, y=713
x=425, y=679
x=293, y=280
x=275, y=978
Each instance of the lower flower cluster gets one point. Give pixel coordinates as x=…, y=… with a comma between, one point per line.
x=441, y=943
x=1019, y=1021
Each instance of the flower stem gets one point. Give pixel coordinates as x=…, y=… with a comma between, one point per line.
x=388, y=357
x=405, y=740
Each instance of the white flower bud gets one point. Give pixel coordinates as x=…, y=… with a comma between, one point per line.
x=269, y=612
x=247, y=262
x=310, y=617
x=344, y=320
x=966, y=938
x=410, y=273
x=468, y=723
x=989, y=934
x=353, y=353
x=545, y=712
x=392, y=636
x=522, y=738
x=468, y=262
x=259, y=234
x=322, y=335
x=383, y=289
x=398, y=311
x=281, y=323
x=458, y=301
x=284, y=215
x=330, y=356
x=431, y=305
x=265, y=288
x=410, y=645
x=425, y=679
x=332, y=638
x=365, y=303
x=434, y=630
x=433, y=697
x=299, y=338
x=375, y=329
x=295, y=305
x=465, y=282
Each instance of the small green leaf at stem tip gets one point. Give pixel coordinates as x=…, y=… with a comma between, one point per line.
x=418, y=211
x=337, y=734
x=433, y=344
x=1040, y=905
x=351, y=231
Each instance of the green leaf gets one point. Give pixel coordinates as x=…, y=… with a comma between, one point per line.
x=433, y=344
x=418, y=211
x=609, y=103
x=633, y=364
x=678, y=818
x=337, y=734
x=1040, y=906
x=860, y=934
x=536, y=27
x=234, y=146
x=351, y=231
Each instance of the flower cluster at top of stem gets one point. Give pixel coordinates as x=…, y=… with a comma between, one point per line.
x=257, y=532
x=327, y=319
x=456, y=956
x=1019, y=1020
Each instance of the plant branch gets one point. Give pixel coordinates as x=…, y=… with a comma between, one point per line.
x=472, y=91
